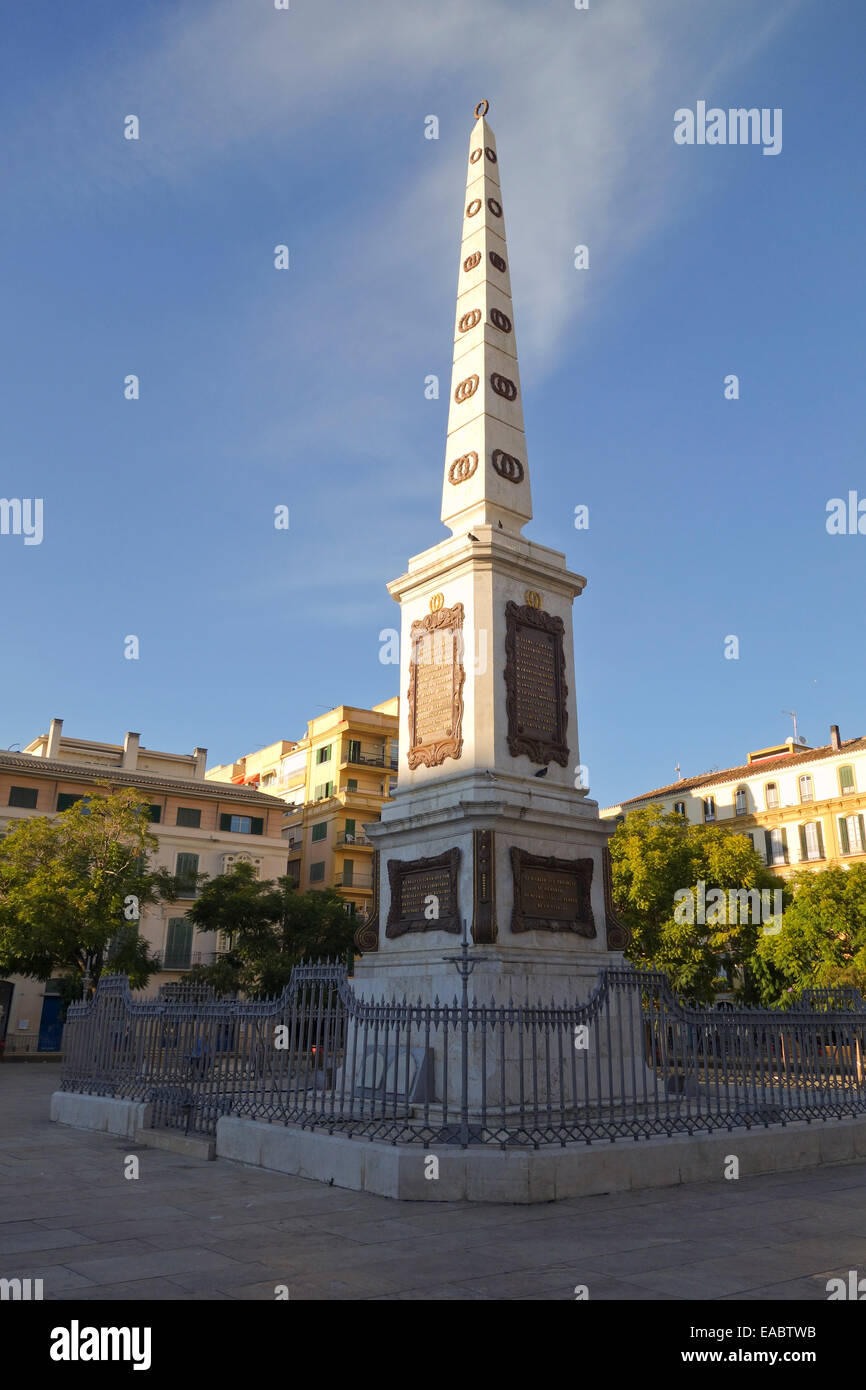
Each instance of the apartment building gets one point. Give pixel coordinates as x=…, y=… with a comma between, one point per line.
x=334, y=780
x=801, y=806
x=202, y=827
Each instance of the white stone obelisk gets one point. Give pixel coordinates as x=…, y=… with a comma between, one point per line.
x=489, y=823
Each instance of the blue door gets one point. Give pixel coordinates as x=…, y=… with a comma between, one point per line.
x=50, y=1027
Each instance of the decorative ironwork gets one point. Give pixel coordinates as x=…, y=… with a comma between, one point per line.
x=533, y=598
x=465, y=389
x=473, y=208
x=536, y=700
x=475, y=156
x=463, y=468
x=399, y=1072
x=424, y=894
x=500, y=320
x=503, y=386
x=495, y=207
x=497, y=261
x=552, y=894
x=469, y=320
x=491, y=154
x=436, y=679
x=472, y=261
x=366, y=938
x=482, y=108
x=484, y=888
x=507, y=466
x=618, y=934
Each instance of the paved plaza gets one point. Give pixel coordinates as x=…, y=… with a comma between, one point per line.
x=191, y=1229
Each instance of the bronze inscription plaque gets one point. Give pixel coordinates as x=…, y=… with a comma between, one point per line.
x=536, y=692
x=435, y=695
x=552, y=894
x=424, y=894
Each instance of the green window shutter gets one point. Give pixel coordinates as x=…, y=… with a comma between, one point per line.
x=257, y=826
x=820, y=829
x=862, y=831
x=155, y=813
x=803, y=849
x=178, y=945
x=350, y=827
x=846, y=778
x=225, y=822
x=186, y=870
x=843, y=835
x=348, y=872
x=320, y=831
x=352, y=784
x=785, y=843
x=768, y=846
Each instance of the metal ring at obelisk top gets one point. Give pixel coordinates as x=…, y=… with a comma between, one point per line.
x=478, y=112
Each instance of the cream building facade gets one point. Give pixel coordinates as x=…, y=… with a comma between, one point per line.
x=334, y=781
x=202, y=828
x=802, y=807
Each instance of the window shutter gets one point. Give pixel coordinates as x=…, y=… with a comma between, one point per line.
x=257, y=825
x=843, y=835
x=785, y=843
x=862, y=833
x=768, y=846
x=820, y=829
x=225, y=822
x=803, y=849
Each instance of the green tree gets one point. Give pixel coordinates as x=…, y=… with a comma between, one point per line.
x=823, y=937
x=658, y=858
x=72, y=888
x=270, y=927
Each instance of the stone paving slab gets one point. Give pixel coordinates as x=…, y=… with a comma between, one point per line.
x=190, y=1229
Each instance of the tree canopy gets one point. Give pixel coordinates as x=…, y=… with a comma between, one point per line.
x=270, y=927
x=72, y=888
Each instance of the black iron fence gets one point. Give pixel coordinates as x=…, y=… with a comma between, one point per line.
x=631, y=1061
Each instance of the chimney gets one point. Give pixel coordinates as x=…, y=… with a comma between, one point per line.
x=835, y=741
x=52, y=749
x=130, y=751
x=200, y=755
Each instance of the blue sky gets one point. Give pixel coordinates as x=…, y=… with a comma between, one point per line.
x=306, y=387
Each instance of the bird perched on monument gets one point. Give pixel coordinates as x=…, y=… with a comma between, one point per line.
x=542, y=772
x=471, y=537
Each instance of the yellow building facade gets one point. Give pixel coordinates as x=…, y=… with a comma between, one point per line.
x=334, y=780
x=802, y=807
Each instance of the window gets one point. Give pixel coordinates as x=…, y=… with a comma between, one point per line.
x=154, y=814
x=807, y=791
x=709, y=808
x=350, y=908
x=352, y=784
x=392, y=786
x=680, y=808
x=771, y=795
x=242, y=825
x=323, y=791
x=349, y=832
x=777, y=845
x=293, y=871
x=852, y=834
x=178, y=943
x=187, y=816
x=67, y=799
x=811, y=841
x=846, y=779
x=354, y=750
x=348, y=872
x=186, y=870
x=323, y=755
x=24, y=797
x=320, y=831
x=317, y=872
x=741, y=803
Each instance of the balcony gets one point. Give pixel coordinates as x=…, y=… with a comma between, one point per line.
x=355, y=840
x=362, y=881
